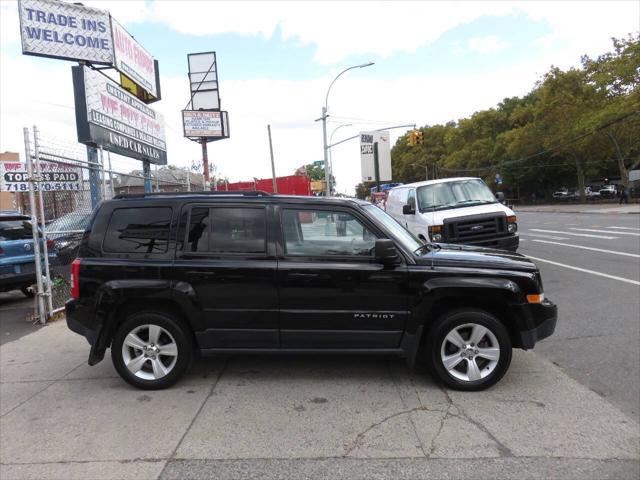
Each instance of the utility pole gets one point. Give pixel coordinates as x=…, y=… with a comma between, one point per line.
x=376, y=165
x=325, y=149
x=273, y=165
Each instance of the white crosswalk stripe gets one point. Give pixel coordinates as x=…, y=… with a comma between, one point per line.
x=574, y=234
x=625, y=228
x=605, y=231
x=626, y=254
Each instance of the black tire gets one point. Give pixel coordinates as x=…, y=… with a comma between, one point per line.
x=457, y=318
x=180, y=335
x=27, y=292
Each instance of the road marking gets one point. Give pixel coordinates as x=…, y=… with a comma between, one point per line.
x=574, y=234
x=592, y=272
x=634, y=255
x=625, y=228
x=605, y=231
x=543, y=236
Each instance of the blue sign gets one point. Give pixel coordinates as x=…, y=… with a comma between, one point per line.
x=498, y=179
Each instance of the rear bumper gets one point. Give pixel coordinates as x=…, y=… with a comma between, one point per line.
x=543, y=317
x=12, y=281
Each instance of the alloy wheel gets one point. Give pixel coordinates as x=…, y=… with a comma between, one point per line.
x=470, y=352
x=149, y=352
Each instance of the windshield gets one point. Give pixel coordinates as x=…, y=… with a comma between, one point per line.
x=399, y=232
x=72, y=221
x=460, y=193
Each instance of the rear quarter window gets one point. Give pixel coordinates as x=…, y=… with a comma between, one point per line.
x=138, y=231
x=15, y=229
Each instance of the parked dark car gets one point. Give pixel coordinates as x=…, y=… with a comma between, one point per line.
x=66, y=233
x=17, y=258
x=159, y=277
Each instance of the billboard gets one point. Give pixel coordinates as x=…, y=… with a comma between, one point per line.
x=55, y=177
x=203, y=81
x=202, y=123
x=133, y=60
x=367, y=165
x=49, y=28
x=110, y=117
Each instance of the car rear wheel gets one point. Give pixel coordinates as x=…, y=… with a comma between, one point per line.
x=469, y=349
x=151, y=350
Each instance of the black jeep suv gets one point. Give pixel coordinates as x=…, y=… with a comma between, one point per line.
x=161, y=277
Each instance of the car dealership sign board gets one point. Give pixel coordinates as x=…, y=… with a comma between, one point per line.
x=367, y=166
x=55, y=177
x=110, y=117
x=63, y=30
x=205, y=124
x=133, y=60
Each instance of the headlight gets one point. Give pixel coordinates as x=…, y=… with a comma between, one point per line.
x=435, y=233
x=512, y=226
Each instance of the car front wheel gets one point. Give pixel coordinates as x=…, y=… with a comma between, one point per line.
x=151, y=350
x=469, y=349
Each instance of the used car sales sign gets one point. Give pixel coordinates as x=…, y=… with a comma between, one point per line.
x=110, y=117
x=55, y=177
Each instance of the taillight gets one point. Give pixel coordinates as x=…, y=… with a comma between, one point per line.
x=50, y=244
x=74, y=279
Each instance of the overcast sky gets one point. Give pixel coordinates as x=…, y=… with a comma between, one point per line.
x=434, y=62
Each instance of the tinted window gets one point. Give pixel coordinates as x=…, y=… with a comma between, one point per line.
x=227, y=230
x=138, y=230
x=198, y=233
x=321, y=233
x=15, y=230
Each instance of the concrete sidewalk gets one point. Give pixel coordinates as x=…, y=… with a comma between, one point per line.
x=581, y=208
x=303, y=417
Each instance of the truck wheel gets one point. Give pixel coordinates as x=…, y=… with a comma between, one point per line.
x=151, y=350
x=469, y=349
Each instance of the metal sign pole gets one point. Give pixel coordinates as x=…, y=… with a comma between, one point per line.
x=376, y=165
x=34, y=229
x=205, y=162
x=146, y=173
x=45, y=247
x=273, y=165
x=104, y=176
x=92, y=157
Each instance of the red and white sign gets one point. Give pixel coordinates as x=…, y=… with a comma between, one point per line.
x=55, y=177
x=133, y=60
x=200, y=123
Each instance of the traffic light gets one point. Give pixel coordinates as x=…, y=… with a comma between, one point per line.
x=415, y=137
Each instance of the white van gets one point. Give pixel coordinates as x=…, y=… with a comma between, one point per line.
x=454, y=210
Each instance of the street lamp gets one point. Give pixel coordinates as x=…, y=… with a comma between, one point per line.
x=324, y=123
x=330, y=166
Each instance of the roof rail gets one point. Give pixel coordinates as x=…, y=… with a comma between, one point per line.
x=221, y=193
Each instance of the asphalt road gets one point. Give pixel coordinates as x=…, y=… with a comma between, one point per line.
x=597, y=339
x=15, y=316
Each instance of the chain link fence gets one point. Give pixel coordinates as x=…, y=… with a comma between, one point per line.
x=60, y=190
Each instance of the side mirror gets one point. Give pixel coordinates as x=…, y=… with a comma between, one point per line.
x=385, y=251
x=500, y=197
x=408, y=210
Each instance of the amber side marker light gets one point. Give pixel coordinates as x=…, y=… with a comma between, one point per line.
x=512, y=219
x=537, y=298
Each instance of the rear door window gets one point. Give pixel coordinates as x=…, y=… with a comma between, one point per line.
x=228, y=230
x=138, y=230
